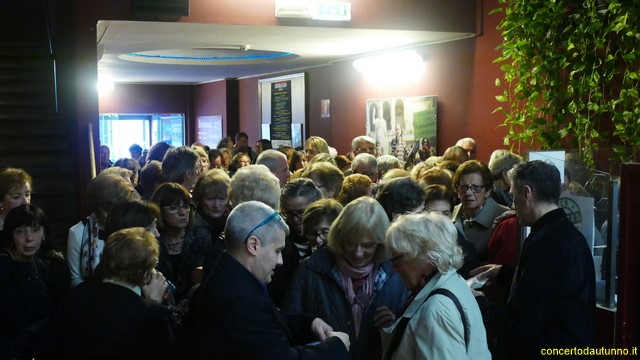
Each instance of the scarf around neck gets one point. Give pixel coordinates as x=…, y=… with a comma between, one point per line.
x=362, y=280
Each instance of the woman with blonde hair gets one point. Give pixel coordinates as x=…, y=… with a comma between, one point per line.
x=15, y=190
x=349, y=283
x=315, y=145
x=443, y=320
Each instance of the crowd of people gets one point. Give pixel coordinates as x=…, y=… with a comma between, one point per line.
x=228, y=253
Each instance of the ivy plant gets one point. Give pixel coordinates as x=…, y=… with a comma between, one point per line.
x=571, y=73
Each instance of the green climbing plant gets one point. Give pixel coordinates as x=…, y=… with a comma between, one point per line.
x=571, y=73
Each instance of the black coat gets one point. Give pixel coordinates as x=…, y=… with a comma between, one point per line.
x=108, y=321
x=552, y=299
x=235, y=319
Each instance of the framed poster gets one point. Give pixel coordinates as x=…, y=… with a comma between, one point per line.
x=283, y=108
x=209, y=130
x=405, y=127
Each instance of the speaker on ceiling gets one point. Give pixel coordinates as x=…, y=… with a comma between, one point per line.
x=161, y=7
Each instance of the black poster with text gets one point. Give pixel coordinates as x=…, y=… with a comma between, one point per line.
x=281, y=110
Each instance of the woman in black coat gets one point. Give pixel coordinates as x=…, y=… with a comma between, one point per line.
x=31, y=286
x=108, y=318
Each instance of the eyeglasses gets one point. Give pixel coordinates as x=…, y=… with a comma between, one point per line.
x=369, y=149
x=173, y=209
x=293, y=214
x=322, y=235
x=263, y=223
x=396, y=258
x=475, y=188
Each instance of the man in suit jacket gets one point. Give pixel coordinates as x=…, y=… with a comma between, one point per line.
x=551, y=303
x=234, y=315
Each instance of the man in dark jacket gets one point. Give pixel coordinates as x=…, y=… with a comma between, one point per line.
x=234, y=315
x=551, y=303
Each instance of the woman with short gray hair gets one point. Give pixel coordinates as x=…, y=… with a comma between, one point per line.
x=424, y=252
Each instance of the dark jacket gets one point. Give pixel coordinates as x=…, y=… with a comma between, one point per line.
x=235, y=319
x=552, y=299
x=315, y=289
x=283, y=274
x=108, y=321
x=30, y=293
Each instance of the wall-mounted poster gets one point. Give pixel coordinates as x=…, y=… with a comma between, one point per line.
x=405, y=127
x=209, y=130
x=283, y=108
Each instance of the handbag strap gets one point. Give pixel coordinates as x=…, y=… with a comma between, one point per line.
x=404, y=321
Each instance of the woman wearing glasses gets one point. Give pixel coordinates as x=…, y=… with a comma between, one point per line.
x=176, y=213
x=442, y=319
x=475, y=214
x=317, y=220
x=349, y=283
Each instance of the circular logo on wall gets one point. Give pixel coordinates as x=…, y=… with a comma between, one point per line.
x=572, y=210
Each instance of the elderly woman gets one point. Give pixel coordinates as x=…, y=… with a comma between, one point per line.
x=176, y=218
x=439, y=200
x=211, y=196
x=349, y=283
x=108, y=318
x=443, y=320
x=476, y=212
x=353, y=187
x=15, y=190
x=317, y=220
x=86, y=238
x=31, y=287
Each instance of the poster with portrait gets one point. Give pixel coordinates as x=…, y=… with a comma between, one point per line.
x=405, y=127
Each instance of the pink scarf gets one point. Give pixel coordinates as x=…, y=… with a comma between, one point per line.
x=362, y=280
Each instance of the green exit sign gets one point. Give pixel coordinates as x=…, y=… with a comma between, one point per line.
x=333, y=11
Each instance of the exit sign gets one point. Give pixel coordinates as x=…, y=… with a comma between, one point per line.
x=332, y=11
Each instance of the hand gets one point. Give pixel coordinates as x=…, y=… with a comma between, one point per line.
x=321, y=329
x=476, y=293
x=383, y=317
x=489, y=271
x=342, y=336
x=156, y=287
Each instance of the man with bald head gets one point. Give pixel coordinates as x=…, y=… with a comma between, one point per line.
x=470, y=147
x=234, y=315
